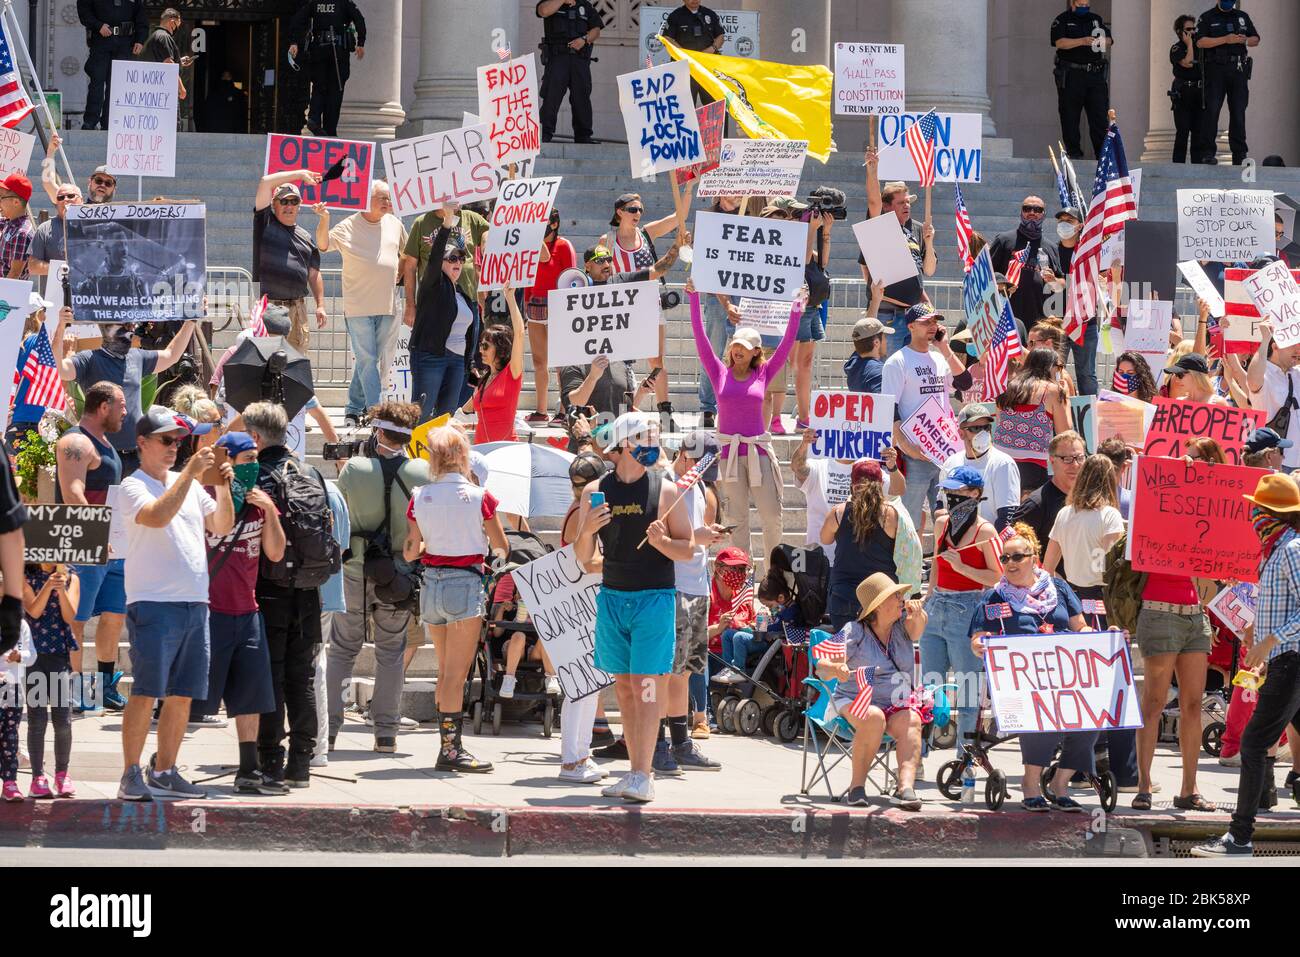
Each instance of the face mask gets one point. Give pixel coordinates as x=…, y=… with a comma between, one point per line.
x=1064, y=231
x=981, y=442
x=1226, y=5
x=1081, y=8
x=119, y=341
x=646, y=455
x=245, y=478
x=1033, y=228
x=1123, y=382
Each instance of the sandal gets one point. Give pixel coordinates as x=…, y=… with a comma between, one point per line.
x=1193, y=802
x=1142, y=802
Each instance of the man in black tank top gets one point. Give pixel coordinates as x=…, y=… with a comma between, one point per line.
x=88, y=466
x=636, y=606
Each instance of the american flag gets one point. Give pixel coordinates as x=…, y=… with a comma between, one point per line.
x=1239, y=309
x=1062, y=187
x=14, y=102
x=964, y=231
x=862, y=702
x=997, y=361
x=1112, y=206
x=649, y=62
x=503, y=53
x=42, y=375
x=829, y=649
x=699, y=468
x=1016, y=264
x=920, y=139
x=256, y=322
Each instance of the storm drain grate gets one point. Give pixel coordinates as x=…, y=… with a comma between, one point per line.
x=1167, y=847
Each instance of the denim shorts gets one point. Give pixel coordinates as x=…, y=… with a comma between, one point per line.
x=810, y=326
x=449, y=595
x=103, y=589
x=169, y=648
x=636, y=631
x=1164, y=633
x=239, y=672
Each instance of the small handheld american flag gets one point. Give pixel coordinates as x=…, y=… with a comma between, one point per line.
x=862, y=703
x=256, y=322
x=1016, y=265
x=699, y=468
x=14, y=102
x=503, y=53
x=920, y=138
x=42, y=374
x=965, y=233
x=1004, y=347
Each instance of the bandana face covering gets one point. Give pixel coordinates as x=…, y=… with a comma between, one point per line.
x=245, y=479
x=1269, y=529
x=647, y=455
x=1033, y=228
x=734, y=578
x=963, y=512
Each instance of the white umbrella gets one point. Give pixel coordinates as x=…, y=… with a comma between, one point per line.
x=528, y=479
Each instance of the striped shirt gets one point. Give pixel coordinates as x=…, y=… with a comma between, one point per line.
x=631, y=260
x=1278, y=613
x=16, y=244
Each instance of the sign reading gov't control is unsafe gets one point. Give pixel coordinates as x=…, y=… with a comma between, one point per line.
x=617, y=321
x=68, y=534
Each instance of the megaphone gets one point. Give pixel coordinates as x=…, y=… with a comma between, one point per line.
x=571, y=278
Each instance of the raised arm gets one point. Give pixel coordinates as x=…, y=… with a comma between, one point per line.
x=516, y=327
x=322, y=226
x=266, y=186
x=874, y=202
x=711, y=364
x=176, y=348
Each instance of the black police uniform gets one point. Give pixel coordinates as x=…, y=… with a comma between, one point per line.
x=694, y=31
x=1185, y=97
x=1227, y=75
x=1081, y=81
x=320, y=28
x=126, y=18
x=567, y=71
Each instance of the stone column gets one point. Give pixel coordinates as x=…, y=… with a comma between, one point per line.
x=947, y=56
x=456, y=38
x=789, y=32
x=1159, y=144
x=372, y=100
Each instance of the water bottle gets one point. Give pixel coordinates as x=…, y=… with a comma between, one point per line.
x=1043, y=262
x=968, y=784
x=760, y=620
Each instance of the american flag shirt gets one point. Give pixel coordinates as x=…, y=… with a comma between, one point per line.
x=632, y=260
x=16, y=237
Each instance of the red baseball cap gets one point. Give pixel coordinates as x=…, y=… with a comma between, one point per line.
x=18, y=184
x=732, y=555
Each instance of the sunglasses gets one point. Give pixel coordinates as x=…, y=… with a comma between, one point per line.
x=291, y=201
x=453, y=259
x=65, y=197
x=100, y=181
x=168, y=441
x=1033, y=209
x=633, y=209
x=1009, y=559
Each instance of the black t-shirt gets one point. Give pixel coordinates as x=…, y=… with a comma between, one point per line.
x=693, y=31
x=282, y=257
x=1065, y=256
x=161, y=47
x=1215, y=23
x=1184, y=74
x=1075, y=26
x=609, y=396
x=1039, y=511
x=907, y=290
x=13, y=513
x=569, y=23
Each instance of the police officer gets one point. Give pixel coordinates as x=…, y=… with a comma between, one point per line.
x=1185, y=95
x=320, y=28
x=115, y=30
x=695, y=27
x=1223, y=36
x=570, y=27
x=1081, y=39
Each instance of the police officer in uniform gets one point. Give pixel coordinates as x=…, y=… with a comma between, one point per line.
x=695, y=27
x=1223, y=35
x=569, y=27
x=115, y=30
x=320, y=28
x=1082, y=40
x=1185, y=95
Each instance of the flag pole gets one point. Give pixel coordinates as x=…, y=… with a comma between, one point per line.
x=928, y=221
x=667, y=511
x=21, y=42
x=873, y=127
x=1055, y=166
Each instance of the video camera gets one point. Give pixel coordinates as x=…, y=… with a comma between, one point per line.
x=341, y=451
x=827, y=200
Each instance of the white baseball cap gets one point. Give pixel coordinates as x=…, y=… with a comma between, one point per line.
x=628, y=426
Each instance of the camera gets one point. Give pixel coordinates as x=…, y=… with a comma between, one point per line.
x=339, y=451
x=828, y=200
x=669, y=299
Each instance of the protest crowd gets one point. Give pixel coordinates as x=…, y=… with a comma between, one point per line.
x=974, y=496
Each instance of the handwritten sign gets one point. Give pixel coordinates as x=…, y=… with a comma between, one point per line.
x=15, y=151
x=1124, y=419
x=868, y=79
x=958, y=155
x=1178, y=420
x=1225, y=225
x=982, y=302
x=934, y=431
x=748, y=255
x=618, y=321
x=663, y=132
x=397, y=380
x=1061, y=682
x=852, y=425
x=756, y=168
x=514, y=242
x=71, y=534
x=454, y=166
x=712, y=117
x=349, y=191
x=768, y=317
x=1189, y=518
x=507, y=103
x=1202, y=286
x=142, y=119
x=561, y=600
x=1276, y=295
x=1235, y=606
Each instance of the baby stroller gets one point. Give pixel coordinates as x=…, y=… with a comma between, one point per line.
x=530, y=700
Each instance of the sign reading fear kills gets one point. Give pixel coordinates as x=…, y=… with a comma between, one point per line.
x=617, y=321
x=454, y=166
x=852, y=425
x=748, y=256
x=507, y=103
x=1177, y=420
x=349, y=190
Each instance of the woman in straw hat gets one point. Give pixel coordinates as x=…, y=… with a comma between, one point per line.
x=878, y=655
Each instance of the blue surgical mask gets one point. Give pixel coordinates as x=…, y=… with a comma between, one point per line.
x=646, y=455
x=1081, y=8
x=1226, y=5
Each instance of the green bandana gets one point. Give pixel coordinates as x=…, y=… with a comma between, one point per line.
x=245, y=478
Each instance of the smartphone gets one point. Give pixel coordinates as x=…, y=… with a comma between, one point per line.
x=729, y=528
x=654, y=374
x=212, y=476
x=597, y=499
x=938, y=336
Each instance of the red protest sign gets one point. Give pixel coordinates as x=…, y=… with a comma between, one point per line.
x=1177, y=420
x=1189, y=518
x=711, y=117
x=350, y=191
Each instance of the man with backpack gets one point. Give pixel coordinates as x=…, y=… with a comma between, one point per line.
x=377, y=583
x=288, y=592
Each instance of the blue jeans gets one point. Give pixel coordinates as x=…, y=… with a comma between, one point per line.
x=891, y=316
x=1085, y=359
x=719, y=329
x=945, y=644
x=736, y=646
x=699, y=690
x=368, y=335
x=436, y=382
x=922, y=486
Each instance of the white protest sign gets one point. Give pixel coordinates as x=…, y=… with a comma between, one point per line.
x=118, y=534
x=958, y=154
x=1235, y=606
x=756, y=168
x=885, y=249
x=852, y=425
x=454, y=166
x=618, y=321
x=740, y=27
x=1061, y=682
x=1225, y=225
x=142, y=118
x=868, y=78
x=397, y=380
x=982, y=302
x=768, y=317
x=1277, y=297
x=836, y=480
x=14, y=307
x=507, y=103
x=518, y=224
x=663, y=131
x=1202, y=286
x=1149, y=322
x=1288, y=218
x=15, y=151
x=761, y=258
x=560, y=596
x=933, y=429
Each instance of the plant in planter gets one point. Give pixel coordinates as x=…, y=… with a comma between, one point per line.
x=34, y=461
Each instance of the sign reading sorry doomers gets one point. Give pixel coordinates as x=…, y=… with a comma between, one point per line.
x=1061, y=682
x=454, y=166
x=518, y=223
x=852, y=425
x=561, y=600
x=74, y=534
x=747, y=255
x=618, y=321
x=1225, y=225
x=1178, y=420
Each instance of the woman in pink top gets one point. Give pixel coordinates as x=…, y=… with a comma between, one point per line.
x=739, y=381
x=496, y=399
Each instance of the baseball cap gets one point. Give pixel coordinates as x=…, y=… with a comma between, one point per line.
x=868, y=328
x=749, y=338
x=1192, y=362
x=1072, y=211
x=237, y=442
x=976, y=410
x=897, y=186
x=962, y=477
x=1265, y=439
x=732, y=555
x=478, y=466
x=620, y=203
x=160, y=419
x=286, y=189
x=19, y=185
x=699, y=443
x=921, y=312
x=629, y=425
x=276, y=319
x=785, y=204
x=37, y=302
x=105, y=171
x=597, y=252
x=586, y=467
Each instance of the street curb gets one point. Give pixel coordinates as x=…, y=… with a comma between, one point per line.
x=482, y=831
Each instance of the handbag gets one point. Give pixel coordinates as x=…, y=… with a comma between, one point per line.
x=393, y=584
x=1281, y=420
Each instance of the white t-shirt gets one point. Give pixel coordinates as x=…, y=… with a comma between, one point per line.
x=912, y=377
x=370, y=256
x=1270, y=399
x=1079, y=534
x=170, y=563
x=1001, y=479
x=692, y=578
x=826, y=486
x=459, y=327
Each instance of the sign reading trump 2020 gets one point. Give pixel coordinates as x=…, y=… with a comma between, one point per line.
x=1061, y=682
x=663, y=131
x=958, y=155
x=349, y=191
x=518, y=225
x=748, y=256
x=454, y=166
x=617, y=321
x=852, y=425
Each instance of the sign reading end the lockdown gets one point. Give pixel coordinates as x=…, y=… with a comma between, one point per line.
x=663, y=131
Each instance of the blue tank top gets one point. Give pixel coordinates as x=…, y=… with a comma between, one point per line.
x=854, y=562
x=107, y=472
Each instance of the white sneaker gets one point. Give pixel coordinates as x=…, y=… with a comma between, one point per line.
x=616, y=789
x=591, y=765
x=1232, y=762
x=729, y=676
x=406, y=722
x=582, y=773
x=552, y=684
x=320, y=761
x=640, y=789
x=507, y=687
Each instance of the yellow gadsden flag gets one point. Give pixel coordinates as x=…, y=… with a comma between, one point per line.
x=770, y=101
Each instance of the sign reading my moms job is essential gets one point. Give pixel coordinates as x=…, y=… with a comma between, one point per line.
x=748, y=256
x=852, y=425
x=72, y=534
x=618, y=321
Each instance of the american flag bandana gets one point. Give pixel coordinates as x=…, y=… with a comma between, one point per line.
x=1122, y=382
